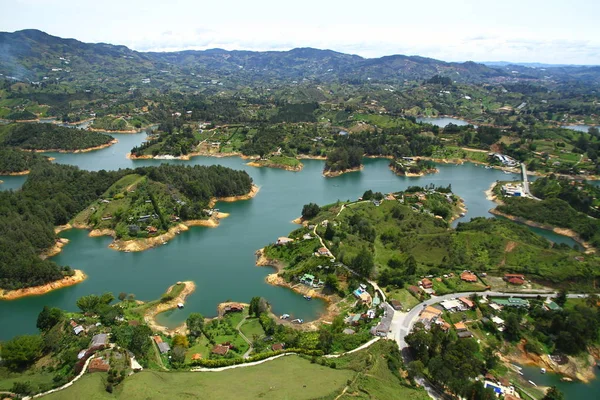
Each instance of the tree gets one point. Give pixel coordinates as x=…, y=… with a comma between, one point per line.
x=553, y=394
x=331, y=282
x=411, y=265
x=512, y=329
x=368, y=195
x=48, y=317
x=181, y=341
x=325, y=339
x=415, y=368
x=140, y=340
x=195, y=323
x=363, y=262
x=310, y=210
x=123, y=295
x=329, y=232
x=254, y=306
x=561, y=298
x=178, y=356
x=21, y=351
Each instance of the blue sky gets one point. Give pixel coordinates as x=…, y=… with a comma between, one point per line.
x=550, y=31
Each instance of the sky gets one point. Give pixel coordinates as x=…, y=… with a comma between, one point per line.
x=549, y=31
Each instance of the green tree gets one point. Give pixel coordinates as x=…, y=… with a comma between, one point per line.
x=331, y=282
x=123, y=295
x=411, y=265
x=363, y=262
x=21, y=351
x=48, y=317
x=195, y=323
x=553, y=394
x=325, y=339
x=329, y=232
x=310, y=210
x=561, y=298
x=254, y=308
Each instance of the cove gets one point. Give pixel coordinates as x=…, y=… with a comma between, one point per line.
x=571, y=390
x=221, y=261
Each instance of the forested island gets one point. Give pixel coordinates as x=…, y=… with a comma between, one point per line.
x=54, y=194
x=50, y=137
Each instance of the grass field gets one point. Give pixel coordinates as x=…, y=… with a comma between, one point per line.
x=286, y=378
x=404, y=297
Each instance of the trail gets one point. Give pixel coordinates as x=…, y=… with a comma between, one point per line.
x=247, y=353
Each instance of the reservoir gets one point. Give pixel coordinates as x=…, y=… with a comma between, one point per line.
x=221, y=260
x=443, y=121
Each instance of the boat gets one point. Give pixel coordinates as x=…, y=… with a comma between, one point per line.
x=543, y=370
x=179, y=305
x=488, y=167
x=532, y=383
x=507, y=173
x=307, y=297
x=284, y=316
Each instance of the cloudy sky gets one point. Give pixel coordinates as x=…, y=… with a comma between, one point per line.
x=549, y=31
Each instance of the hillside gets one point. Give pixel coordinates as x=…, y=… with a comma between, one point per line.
x=398, y=241
x=33, y=55
x=49, y=137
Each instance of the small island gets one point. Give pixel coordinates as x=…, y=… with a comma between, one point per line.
x=343, y=160
x=407, y=166
x=278, y=161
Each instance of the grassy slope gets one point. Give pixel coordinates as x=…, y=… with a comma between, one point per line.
x=286, y=378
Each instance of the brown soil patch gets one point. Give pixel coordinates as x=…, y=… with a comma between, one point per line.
x=54, y=250
x=510, y=246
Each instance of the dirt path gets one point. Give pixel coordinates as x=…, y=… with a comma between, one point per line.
x=246, y=354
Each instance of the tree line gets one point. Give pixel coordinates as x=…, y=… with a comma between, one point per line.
x=30, y=136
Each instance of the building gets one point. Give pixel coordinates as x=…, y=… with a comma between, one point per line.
x=415, y=290
x=396, y=305
x=277, y=347
x=162, y=346
x=307, y=279
x=283, y=241
x=98, y=365
x=468, y=276
x=429, y=315
x=460, y=326
x=498, y=321
x=383, y=328
x=426, y=283
x=78, y=329
x=323, y=251
x=196, y=357
x=99, y=340
x=452, y=305
x=233, y=307
x=464, y=334
x=549, y=305
x=220, y=350
x=512, y=302
x=363, y=296
x=467, y=302
x=514, y=279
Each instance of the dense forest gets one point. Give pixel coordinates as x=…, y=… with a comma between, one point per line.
x=50, y=137
x=582, y=196
x=344, y=158
x=54, y=194
x=168, y=140
x=14, y=160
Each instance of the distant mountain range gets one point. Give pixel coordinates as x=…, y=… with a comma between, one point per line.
x=35, y=55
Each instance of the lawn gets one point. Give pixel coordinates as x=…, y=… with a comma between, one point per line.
x=252, y=327
x=289, y=377
x=404, y=297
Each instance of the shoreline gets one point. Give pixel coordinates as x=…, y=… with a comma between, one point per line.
x=86, y=150
x=20, y=173
x=67, y=281
x=331, y=311
x=589, y=249
x=571, y=370
x=151, y=313
x=188, y=156
x=333, y=174
x=257, y=164
x=230, y=199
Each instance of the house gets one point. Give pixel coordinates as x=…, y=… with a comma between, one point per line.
x=151, y=230
x=220, y=350
x=73, y=324
x=323, y=251
x=98, y=340
x=396, y=305
x=549, y=305
x=81, y=354
x=78, y=329
x=429, y=315
x=234, y=307
x=162, y=346
x=512, y=302
x=365, y=298
x=514, y=279
x=460, y=326
x=196, y=356
x=443, y=324
x=426, y=283
x=415, y=290
x=283, y=241
x=98, y=365
x=277, y=347
x=307, y=279
x=464, y=334
x=307, y=236
x=451, y=305
x=467, y=303
x=383, y=328
x=498, y=321
x=467, y=276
